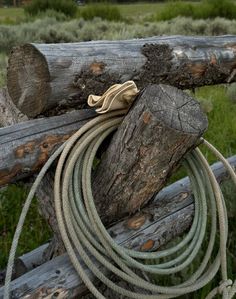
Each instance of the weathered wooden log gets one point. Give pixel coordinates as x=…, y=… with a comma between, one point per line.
x=25, y=147
x=29, y=261
x=166, y=217
x=10, y=115
x=41, y=76
x=163, y=124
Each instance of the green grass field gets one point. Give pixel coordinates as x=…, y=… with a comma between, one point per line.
x=11, y=15
x=135, y=12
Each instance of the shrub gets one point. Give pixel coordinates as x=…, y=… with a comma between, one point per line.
x=51, y=13
x=175, y=9
x=67, y=7
x=103, y=11
x=49, y=30
x=206, y=9
x=11, y=201
x=215, y=8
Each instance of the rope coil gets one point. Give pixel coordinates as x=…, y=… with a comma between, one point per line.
x=84, y=234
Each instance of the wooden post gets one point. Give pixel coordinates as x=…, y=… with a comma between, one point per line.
x=161, y=127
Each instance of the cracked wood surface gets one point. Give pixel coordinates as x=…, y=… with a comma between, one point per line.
x=155, y=224
x=163, y=124
x=26, y=146
x=9, y=114
x=42, y=76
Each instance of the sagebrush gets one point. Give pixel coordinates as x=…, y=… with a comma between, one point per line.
x=50, y=30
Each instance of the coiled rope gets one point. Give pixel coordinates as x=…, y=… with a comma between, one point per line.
x=83, y=233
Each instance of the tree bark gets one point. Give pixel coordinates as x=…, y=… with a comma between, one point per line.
x=42, y=76
x=9, y=114
x=149, y=229
x=25, y=147
x=161, y=127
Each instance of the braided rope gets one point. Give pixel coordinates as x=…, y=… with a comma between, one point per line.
x=83, y=233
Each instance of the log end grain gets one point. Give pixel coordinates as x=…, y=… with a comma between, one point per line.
x=28, y=79
x=175, y=109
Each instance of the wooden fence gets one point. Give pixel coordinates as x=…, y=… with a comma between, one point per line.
x=44, y=103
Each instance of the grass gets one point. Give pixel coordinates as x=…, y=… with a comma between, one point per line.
x=35, y=231
x=3, y=65
x=11, y=12
x=222, y=119
x=140, y=11
x=221, y=112
x=228, y=189
x=130, y=12
x=11, y=15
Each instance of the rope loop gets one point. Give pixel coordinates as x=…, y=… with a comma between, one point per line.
x=223, y=289
x=84, y=234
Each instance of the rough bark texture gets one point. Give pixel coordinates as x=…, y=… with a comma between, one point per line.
x=41, y=76
x=25, y=147
x=163, y=124
x=9, y=114
x=151, y=228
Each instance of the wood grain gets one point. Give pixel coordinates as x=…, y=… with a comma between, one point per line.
x=25, y=147
x=9, y=114
x=42, y=76
x=161, y=127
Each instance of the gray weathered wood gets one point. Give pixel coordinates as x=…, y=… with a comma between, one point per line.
x=41, y=76
x=25, y=147
x=29, y=261
x=9, y=114
x=151, y=228
x=161, y=127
